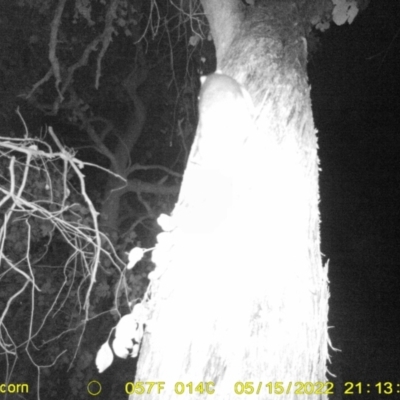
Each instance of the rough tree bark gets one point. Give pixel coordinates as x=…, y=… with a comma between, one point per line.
x=239, y=293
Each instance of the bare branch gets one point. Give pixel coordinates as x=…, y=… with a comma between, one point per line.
x=55, y=25
x=146, y=205
x=9, y=301
x=109, y=126
x=107, y=37
x=81, y=62
x=55, y=65
x=138, y=186
x=97, y=140
x=40, y=82
x=149, y=25
x=138, y=167
x=77, y=166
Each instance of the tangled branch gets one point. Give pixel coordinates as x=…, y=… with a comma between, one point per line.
x=34, y=207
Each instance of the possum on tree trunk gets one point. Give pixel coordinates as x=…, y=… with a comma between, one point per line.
x=225, y=114
x=218, y=88
x=225, y=122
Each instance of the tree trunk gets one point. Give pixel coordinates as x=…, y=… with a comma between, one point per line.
x=240, y=293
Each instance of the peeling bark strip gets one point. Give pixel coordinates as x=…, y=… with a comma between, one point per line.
x=241, y=294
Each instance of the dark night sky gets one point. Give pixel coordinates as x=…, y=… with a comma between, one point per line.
x=355, y=79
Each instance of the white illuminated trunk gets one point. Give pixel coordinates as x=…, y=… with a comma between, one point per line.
x=239, y=293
